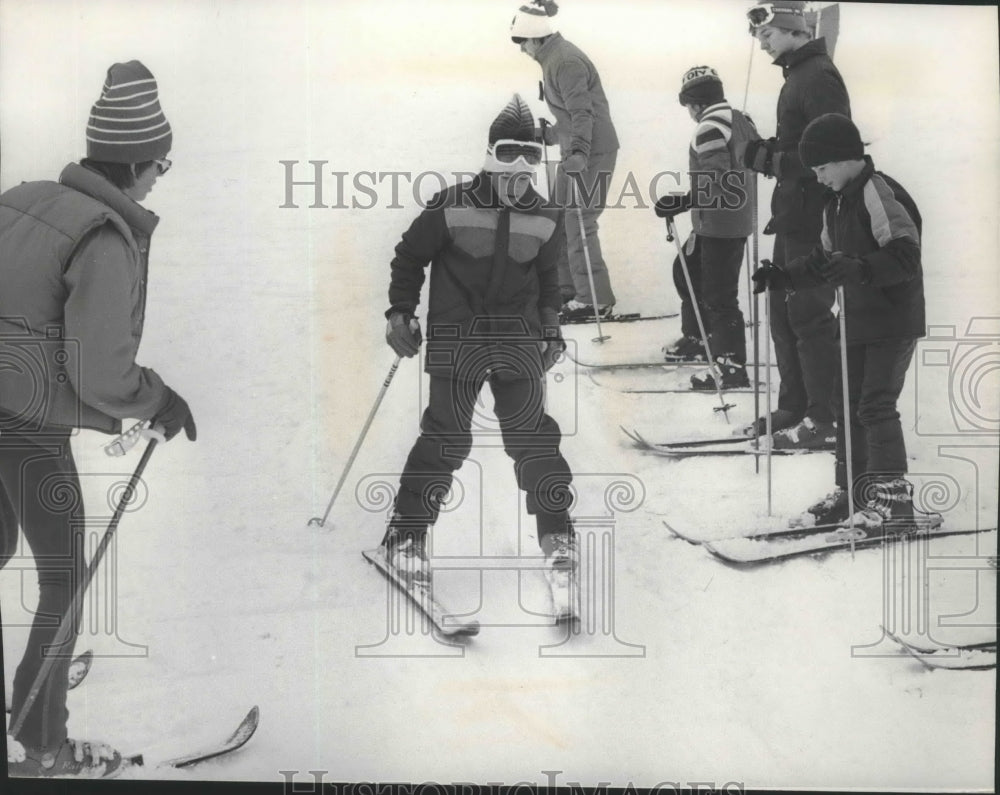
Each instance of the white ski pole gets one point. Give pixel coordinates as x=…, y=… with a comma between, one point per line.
x=67, y=626
x=586, y=258
x=767, y=387
x=755, y=317
x=316, y=520
x=716, y=373
x=846, y=430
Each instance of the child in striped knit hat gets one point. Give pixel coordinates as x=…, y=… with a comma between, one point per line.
x=73, y=264
x=721, y=220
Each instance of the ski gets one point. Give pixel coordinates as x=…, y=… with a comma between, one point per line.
x=962, y=657
x=786, y=532
x=634, y=435
x=236, y=740
x=655, y=387
x=78, y=670
x=657, y=364
x=726, y=447
x=626, y=317
x=775, y=546
x=421, y=597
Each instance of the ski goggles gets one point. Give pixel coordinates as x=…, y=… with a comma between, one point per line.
x=508, y=155
x=764, y=13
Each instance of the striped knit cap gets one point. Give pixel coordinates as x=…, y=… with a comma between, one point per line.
x=126, y=124
x=701, y=85
x=514, y=122
x=532, y=20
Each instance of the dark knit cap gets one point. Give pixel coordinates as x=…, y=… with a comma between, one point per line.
x=127, y=124
x=831, y=138
x=701, y=86
x=514, y=122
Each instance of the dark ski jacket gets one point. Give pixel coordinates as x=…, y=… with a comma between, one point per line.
x=812, y=87
x=73, y=267
x=494, y=287
x=874, y=219
x=572, y=88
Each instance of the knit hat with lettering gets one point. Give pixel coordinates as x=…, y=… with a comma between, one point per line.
x=515, y=122
x=532, y=20
x=830, y=138
x=127, y=124
x=701, y=85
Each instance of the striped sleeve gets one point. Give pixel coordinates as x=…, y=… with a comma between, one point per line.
x=889, y=218
x=710, y=151
x=896, y=230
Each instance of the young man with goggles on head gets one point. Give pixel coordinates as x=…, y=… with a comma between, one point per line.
x=803, y=326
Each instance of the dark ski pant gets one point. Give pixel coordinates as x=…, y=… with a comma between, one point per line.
x=714, y=268
x=876, y=372
x=530, y=437
x=804, y=331
x=40, y=491
x=573, y=278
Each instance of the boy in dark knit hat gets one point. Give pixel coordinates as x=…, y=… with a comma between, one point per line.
x=870, y=245
x=721, y=220
x=492, y=317
x=73, y=264
x=803, y=327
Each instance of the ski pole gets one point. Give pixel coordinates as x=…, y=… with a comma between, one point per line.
x=755, y=315
x=586, y=258
x=543, y=124
x=846, y=430
x=672, y=235
x=69, y=619
x=316, y=520
x=746, y=90
x=767, y=386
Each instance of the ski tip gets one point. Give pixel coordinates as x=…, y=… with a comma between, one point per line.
x=468, y=629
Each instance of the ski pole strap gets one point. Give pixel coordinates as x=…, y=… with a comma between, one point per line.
x=126, y=440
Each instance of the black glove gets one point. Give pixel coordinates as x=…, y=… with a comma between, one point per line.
x=403, y=334
x=545, y=133
x=841, y=269
x=770, y=277
x=173, y=415
x=759, y=155
x=673, y=204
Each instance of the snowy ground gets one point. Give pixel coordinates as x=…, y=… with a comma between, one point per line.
x=269, y=321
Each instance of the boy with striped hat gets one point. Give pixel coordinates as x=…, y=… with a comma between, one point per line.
x=73, y=265
x=721, y=220
x=492, y=247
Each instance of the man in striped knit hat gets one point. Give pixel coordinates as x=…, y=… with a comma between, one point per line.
x=721, y=220
x=73, y=264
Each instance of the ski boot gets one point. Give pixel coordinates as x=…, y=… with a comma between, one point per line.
x=562, y=558
x=734, y=376
x=832, y=509
x=807, y=435
x=780, y=419
x=685, y=349
x=405, y=548
x=71, y=758
x=889, y=509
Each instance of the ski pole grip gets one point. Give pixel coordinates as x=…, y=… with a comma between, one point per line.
x=155, y=433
